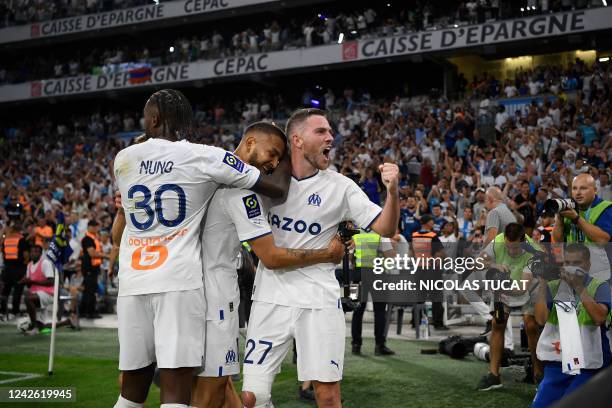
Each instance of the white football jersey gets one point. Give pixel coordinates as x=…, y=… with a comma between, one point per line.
x=235, y=215
x=165, y=190
x=309, y=219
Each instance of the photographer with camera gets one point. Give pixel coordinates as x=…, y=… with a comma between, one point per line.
x=580, y=297
x=585, y=218
x=508, y=258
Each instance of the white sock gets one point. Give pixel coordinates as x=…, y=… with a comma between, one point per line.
x=124, y=403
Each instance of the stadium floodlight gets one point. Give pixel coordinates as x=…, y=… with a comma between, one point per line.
x=522, y=10
x=604, y=59
x=388, y=4
x=171, y=49
x=340, y=38
x=354, y=32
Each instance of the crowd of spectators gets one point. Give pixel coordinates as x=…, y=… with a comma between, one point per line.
x=317, y=29
x=446, y=157
x=19, y=12
x=423, y=12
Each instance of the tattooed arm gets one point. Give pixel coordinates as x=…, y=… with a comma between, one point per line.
x=274, y=257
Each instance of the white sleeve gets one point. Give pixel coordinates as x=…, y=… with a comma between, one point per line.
x=358, y=207
x=225, y=168
x=47, y=268
x=246, y=211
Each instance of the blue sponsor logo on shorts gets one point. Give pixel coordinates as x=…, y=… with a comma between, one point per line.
x=233, y=162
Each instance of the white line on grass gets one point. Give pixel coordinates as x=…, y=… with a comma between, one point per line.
x=20, y=376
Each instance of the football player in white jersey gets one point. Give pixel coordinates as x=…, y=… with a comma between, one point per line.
x=165, y=187
x=304, y=303
x=236, y=215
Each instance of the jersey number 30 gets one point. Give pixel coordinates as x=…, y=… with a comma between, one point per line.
x=144, y=204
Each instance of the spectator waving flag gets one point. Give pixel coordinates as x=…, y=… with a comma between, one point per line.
x=140, y=73
x=59, y=250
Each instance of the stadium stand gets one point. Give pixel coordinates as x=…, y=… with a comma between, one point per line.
x=526, y=115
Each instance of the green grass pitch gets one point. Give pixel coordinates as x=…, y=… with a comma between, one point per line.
x=87, y=360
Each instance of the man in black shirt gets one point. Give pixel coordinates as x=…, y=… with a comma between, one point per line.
x=16, y=257
x=90, y=266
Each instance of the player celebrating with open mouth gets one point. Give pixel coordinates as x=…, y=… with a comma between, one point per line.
x=304, y=303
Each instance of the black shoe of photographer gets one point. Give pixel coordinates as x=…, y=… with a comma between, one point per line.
x=356, y=351
x=489, y=382
x=488, y=328
x=382, y=350
x=306, y=395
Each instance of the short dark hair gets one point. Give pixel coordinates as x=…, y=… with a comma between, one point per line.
x=300, y=115
x=266, y=127
x=515, y=232
x=580, y=248
x=37, y=247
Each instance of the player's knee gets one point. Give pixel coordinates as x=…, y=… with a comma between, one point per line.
x=256, y=399
x=248, y=399
x=327, y=397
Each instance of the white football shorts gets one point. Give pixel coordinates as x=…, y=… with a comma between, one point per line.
x=221, y=355
x=168, y=328
x=319, y=335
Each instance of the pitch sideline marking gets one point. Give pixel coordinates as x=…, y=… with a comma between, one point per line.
x=20, y=376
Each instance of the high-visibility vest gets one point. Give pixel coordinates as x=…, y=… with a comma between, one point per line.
x=11, y=247
x=516, y=264
x=591, y=215
x=421, y=243
x=366, y=249
x=95, y=261
x=549, y=345
x=35, y=272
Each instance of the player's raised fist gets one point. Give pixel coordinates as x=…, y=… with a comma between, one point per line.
x=389, y=174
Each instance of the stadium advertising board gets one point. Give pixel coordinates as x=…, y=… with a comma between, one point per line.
x=118, y=18
x=481, y=34
x=423, y=42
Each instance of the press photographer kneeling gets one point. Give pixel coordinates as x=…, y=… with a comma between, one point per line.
x=507, y=257
x=573, y=344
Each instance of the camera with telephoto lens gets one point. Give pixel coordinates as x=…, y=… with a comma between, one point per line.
x=350, y=299
x=556, y=205
x=542, y=264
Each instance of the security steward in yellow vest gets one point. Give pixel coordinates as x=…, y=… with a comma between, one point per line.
x=425, y=244
x=16, y=257
x=90, y=266
x=367, y=246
